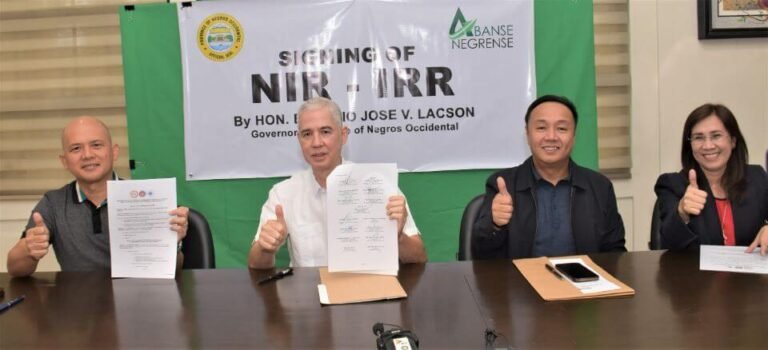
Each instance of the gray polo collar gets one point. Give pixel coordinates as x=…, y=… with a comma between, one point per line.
x=81, y=197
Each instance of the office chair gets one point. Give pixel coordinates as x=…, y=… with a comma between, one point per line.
x=197, y=246
x=655, y=242
x=465, y=231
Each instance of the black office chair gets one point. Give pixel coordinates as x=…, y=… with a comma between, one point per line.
x=197, y=246
x=655, y=242
x=465, y=231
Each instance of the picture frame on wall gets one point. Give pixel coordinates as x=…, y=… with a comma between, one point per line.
x=723, y=19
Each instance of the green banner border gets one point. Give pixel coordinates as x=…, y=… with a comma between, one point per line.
x=153, y=93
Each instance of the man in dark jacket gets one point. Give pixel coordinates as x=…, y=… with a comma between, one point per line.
x=549, y=205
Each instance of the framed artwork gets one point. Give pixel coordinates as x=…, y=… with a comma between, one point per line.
x=721, y=19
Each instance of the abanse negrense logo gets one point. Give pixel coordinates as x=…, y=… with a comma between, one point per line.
x=466, y=35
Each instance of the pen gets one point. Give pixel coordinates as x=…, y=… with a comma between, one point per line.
x=552, y=269
x=280, y=274
x=11, y=303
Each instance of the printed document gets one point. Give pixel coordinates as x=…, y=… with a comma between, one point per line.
x=141, y=241
x=732, y=259
x=361, y=238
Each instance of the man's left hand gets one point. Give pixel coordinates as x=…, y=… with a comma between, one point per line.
x=179, y=222
x=396, y=210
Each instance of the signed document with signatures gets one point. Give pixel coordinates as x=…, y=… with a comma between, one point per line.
x=361, y=237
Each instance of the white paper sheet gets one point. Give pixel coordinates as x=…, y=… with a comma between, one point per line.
x=732, y=259
x=601, y=285
x=361, y=238
x=323, y=292
x=141, y=241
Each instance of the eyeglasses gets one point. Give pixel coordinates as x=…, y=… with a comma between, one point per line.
x=700, y=139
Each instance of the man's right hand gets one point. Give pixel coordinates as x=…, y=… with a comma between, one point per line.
x=693, y=200
x=274, y=232
x=37, y=238
x=502, y=206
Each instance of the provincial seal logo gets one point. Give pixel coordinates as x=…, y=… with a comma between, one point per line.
x=220, y=37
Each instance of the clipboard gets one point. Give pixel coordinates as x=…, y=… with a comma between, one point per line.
x=551, y=288
x=349, y=287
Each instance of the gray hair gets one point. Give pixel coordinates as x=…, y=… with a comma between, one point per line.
x=322, y=102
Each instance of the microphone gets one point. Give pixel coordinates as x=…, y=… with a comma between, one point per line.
x=378, y=328
x=395, y=338
x=490, y=333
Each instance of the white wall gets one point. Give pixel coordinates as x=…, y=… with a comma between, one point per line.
x=672, y=73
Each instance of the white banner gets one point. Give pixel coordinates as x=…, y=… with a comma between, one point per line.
x=429, y=85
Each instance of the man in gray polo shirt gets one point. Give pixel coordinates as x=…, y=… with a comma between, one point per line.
x=73, y=219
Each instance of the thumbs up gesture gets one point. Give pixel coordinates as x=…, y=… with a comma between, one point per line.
x=274, y=232
x=37, y=238
x=502, y=206
x=693, y=200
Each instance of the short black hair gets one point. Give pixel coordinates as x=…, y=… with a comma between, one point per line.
x=553, y=98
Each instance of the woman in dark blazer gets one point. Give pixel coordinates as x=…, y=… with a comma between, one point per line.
x=717, y=198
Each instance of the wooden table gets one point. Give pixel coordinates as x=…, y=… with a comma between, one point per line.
x=450, y=305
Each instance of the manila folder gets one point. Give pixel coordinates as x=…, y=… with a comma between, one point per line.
x=551, y=288
x=348, y=287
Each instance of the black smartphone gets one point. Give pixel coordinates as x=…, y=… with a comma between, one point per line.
x=576, y=272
